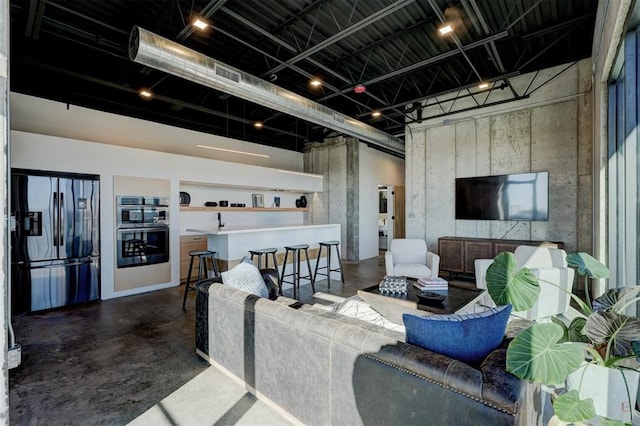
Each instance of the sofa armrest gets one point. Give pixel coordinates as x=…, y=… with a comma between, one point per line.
x=270, y=277
x=418, y=383
x=433, y=262
x=388, y=263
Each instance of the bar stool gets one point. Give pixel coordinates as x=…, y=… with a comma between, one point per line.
x=327, y=246
x=266, y=252
x=296, y=251
x=203, y=270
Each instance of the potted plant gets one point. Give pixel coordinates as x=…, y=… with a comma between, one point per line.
x=553, y=353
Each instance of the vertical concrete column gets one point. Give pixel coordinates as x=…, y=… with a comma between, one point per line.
x=353, y=197
x=4, y=163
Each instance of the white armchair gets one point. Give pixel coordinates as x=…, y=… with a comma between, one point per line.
x=546, y=264
x=410, y=257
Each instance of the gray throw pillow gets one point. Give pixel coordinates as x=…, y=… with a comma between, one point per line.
x=245, y=276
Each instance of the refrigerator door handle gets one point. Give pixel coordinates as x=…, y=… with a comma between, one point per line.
x=56, y=211
x=61, y=221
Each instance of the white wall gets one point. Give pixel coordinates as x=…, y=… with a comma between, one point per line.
x=42, y=152
x=37, y=115
x=549, y=131
x=376, y=168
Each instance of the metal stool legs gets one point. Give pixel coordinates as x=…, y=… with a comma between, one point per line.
x=296, y=252
x=203, y=270
x=327, y=246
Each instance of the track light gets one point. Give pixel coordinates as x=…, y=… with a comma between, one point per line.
x=200, y=24
x=445, y=29
x=145, y=94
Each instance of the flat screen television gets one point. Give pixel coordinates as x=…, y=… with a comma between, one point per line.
x=523, y=196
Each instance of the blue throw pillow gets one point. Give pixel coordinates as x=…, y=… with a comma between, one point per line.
x=467, y=337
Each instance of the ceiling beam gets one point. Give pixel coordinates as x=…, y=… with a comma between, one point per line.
x=291, y=48
x=434, y=59
x=382, y=13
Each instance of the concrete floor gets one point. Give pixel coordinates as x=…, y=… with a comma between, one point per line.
x=108, y=362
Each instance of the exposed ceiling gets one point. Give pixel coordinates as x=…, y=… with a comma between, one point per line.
x=76, y=52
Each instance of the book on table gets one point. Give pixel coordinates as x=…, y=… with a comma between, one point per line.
x=431, y=283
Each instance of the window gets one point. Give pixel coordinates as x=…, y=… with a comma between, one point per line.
x=623, y=167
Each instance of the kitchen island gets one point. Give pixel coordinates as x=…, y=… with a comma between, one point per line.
x=232, y=243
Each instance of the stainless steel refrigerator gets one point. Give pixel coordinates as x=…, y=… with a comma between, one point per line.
x=55, y=239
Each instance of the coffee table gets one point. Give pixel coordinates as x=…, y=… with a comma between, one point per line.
x=458, y=300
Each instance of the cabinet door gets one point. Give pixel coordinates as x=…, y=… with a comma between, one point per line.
x=499, y=247
x=475, y=250
x=451, y=254
x=188, y=243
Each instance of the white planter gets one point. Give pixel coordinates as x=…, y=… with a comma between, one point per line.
x=606, y=386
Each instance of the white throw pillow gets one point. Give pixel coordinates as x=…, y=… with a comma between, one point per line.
x=355, y=307
x=245, y=276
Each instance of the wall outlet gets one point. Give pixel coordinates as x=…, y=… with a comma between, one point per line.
x=412, y=215
x=14, y=356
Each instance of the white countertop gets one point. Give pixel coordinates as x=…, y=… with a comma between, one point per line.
x=256, y=228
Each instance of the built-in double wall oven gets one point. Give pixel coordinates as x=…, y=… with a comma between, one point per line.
x=142, y=230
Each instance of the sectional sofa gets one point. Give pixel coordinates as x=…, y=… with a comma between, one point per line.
x=320, y=367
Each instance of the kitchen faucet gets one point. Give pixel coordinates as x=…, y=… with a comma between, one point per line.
x=220, y=224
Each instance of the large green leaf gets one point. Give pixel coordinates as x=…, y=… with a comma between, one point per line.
x=536, y=355
x=586, y=264
x=570, y=408
x=508, y=286
x=575, y=330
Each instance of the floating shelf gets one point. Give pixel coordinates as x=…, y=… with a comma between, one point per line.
x=242, y=209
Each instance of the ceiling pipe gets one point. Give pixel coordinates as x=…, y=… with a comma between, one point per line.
x=160, y=53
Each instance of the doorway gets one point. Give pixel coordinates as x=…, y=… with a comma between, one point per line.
x=390, y=215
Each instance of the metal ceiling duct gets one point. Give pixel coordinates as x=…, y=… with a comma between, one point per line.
x=158, y=52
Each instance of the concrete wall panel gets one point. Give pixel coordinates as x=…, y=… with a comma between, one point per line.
x=548, y=131
x=415, y=193
x=440, y=183
x=554, y=148
x=466, y=151
x=510, y=142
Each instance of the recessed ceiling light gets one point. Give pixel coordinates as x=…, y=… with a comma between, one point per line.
x=315, y=82
x=445, y=29
x=258, y=124
x=200, y=24
x=145, y=93
x=483, y=85
x=376, y=114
